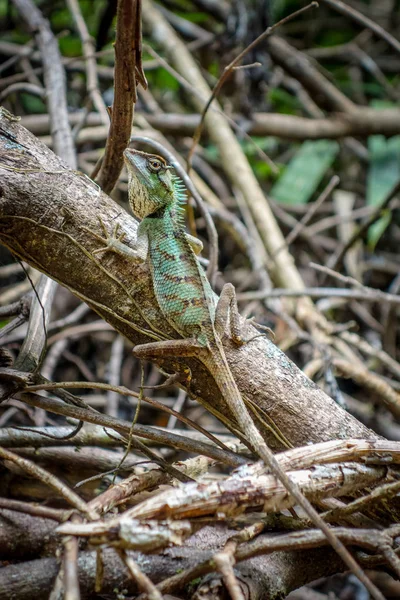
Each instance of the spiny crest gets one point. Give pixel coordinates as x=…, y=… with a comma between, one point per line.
x=179, y=196
x=151, y=184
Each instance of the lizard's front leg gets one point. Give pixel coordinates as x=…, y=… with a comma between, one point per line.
x=195, y=243
x=115, y=243
x=227, y=312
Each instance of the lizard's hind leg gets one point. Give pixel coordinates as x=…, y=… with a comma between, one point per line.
x=170, y=348
x=227, y=313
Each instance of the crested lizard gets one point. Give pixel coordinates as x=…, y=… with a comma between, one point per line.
x=189, y=304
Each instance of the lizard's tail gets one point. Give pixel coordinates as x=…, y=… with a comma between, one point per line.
x=219, y=367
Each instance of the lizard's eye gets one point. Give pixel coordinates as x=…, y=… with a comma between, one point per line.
x=155, y=164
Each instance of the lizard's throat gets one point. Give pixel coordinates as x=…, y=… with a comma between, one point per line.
x=158, y=214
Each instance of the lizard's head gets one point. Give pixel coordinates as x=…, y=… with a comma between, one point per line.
x=150, y=182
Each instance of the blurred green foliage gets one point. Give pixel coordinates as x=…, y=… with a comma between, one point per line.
x=33, y=104
x=383, y=174
x=162, y=81
x=300, y=177
x=305, y=172
x=283, y=102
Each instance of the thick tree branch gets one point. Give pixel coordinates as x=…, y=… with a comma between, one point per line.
x=31, y=580
x=45, y=213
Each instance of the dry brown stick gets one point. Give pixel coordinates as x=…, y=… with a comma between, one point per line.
x=348, y=280
x=357, y=450
x=135, y=483
x=114, y=375
x=364, y=21
x=54, y=78
x=224, y=562
x=253, y=487
x=146, y=432
x=126, y=392
x=369, y=539
x=360, y=123
x=295, y=232
x=88, y=48
x=144, y=583
x=363, y=123
x=70, y=565
x=229, y=68
x=27, y=88
x=352, y=339
x=323, y=92
x=383, y=492
x=321, y=292
x=225, y=558
x=32, y=350
x=266, y=544
x=127, y=68
x=391, y=557
x=76, y=331
x=14, y=324
x=34, y=438
x=335, y=220
x=50, y=480
x=35, y=510
x=372, y=382
x=57, y=590
x=375, y=293
x=337, y=257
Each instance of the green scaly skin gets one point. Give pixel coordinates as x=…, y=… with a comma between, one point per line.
x=188, y=303
x=181, y=287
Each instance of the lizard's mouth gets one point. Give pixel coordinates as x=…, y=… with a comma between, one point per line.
x=129, y=157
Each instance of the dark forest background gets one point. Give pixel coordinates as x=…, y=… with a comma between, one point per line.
x=297, y=165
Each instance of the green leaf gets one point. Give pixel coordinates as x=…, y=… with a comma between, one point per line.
x=305, y=172
x=383, y=175
x=378, y=229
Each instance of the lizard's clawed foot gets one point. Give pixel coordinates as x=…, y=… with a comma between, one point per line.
x=184, y=377
x=111, y=242
x=267, y=331
x=240, y=341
